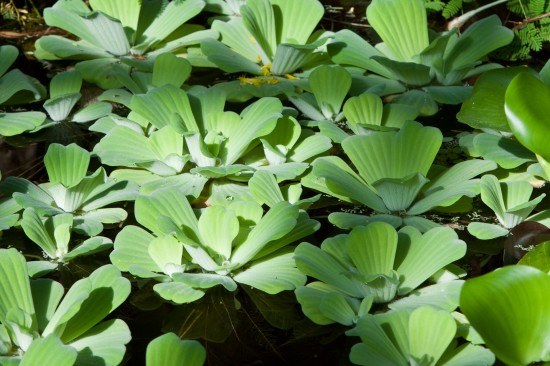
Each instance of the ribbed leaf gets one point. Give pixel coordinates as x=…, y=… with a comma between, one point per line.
x=46, y=295
x=399, y=154
x=277, y=222
x=259, y=19
x=376, y=347
x=402, y=25
x=35, y=229
x=218, y=227
x=92, y=112
x=342, y=182
x=108, y=33
x=170, y=69
x=444, y=296
x=178, y=292
x=318, y=264
x=90, y=246
x=165, y=105
x=372, y=248
x=131, y=247
x=107, y=290
x=12, y=124
x=165, y=251
x=468, y=355
x=123, y=146
x=205, y=280
x=509, y=309
x=126, y=11
x=348, y=48
x=409, y=73
x=170, y=203
x=59, y=108
x=272, y=274
x=104, y=343
x=330, y=85
x=173, y=15
x=425, y=254
x=15, y=291
x=264, y=188
x=235, y=35
x=296, y=20
x=483, y=37
x=170, y=350
x=66, y=164
x=506, y=152
x=430, y=332
x=49, y=351
x=486, y=231
x=64, y=83
x=398, y=194
x=290, y=57
x=366, y=108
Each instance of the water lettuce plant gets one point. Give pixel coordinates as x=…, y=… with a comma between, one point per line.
x=430, y=70
x=272, y=37
x=126, y=31
x=17, y=88
x=223, y=245
x=393, y=177
x=375, y=265
x=425, y=336
x=38, y=323
x=71, y=190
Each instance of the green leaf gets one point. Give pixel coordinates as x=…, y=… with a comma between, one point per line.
x=526, y=107
x=277, y=222
x=272, y=274
x=8, y=55
x=258, y=18
x=330, y=85
x=66, y=164
x=103, y=344
x=12, y=124
x=46, y=295
x=366, y=108
x=392, y=154
x=15, y=291
x=296, y=20
x=264, y=188
x=49, y=351
x=59, y=108
x=163, y=23
x=444, y=296
x=372, y=248
x=163, y=70
x=227, y=59
x=218, y=228
x=65, y=83
x=290, y=57
x=178, y=292
x=92, y=112
x=506, y=152
x=486, y=231
x=18, y=88
x=398, y=194
x=538, y=257
x=319, y=264
x=483, y=109
x=509, y=309
x=170, y=350
x=420, y=256
x=165, y=251
x=405, y=34
x=126, y=11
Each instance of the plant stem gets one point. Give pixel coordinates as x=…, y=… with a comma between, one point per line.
x=459, y=21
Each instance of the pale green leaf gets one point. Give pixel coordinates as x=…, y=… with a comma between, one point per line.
x=329, y=85
x=49, y=351
x=218, y=227
x=486, y=231
x=170, y=350
x=12, y=124
x=177, y=292
x=66, y=164
x=46, y=295
x=372, y=248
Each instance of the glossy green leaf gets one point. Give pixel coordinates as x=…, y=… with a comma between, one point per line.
x=508, y=307
x=405, y=34
x=170, y=350
x=538, y=257
x=527, y=109
x=506, y=152
x=483, y=109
